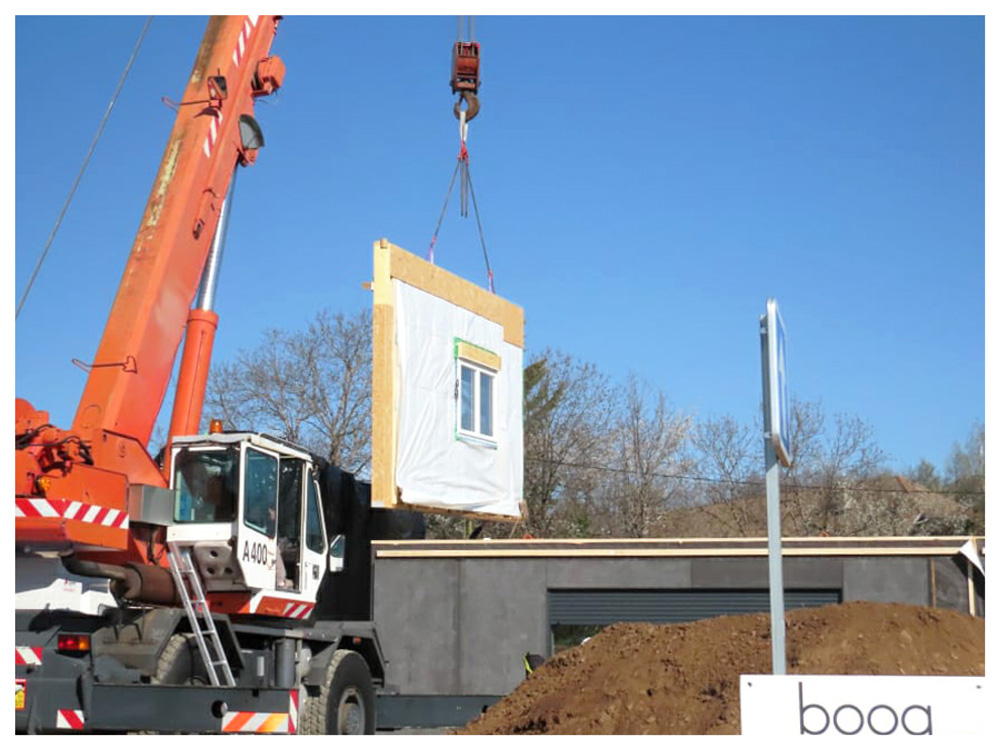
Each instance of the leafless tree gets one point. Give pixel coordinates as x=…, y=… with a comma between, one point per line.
x=849, y=457
x=825, y=464
x=647, y=438
x=312, y=387
x=732, y=454
x=568, y=407
x=966, y=472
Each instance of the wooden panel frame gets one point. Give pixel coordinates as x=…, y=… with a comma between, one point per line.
x=393, y=262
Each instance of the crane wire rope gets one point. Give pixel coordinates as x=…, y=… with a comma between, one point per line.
x=462, y=168
x=444, y=208
x=470, y=27
x=466, y=189
x=83, y=168
x=482, y=237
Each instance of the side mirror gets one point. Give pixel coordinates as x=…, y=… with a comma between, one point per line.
x=337, y=554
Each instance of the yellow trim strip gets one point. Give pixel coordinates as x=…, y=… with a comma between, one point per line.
x=478, y=355
x=826, y=541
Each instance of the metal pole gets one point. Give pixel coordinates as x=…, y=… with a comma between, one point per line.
x=774, y=567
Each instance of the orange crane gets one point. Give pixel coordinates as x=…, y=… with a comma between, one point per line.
x=241, y=565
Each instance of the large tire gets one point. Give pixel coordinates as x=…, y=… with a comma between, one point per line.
x=180, y=663
x=346, y=701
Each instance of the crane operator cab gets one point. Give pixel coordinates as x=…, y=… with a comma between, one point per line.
x=249, y=508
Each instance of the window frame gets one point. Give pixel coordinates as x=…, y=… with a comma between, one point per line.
x=180, y=491
x=271, y=533
x=317, y=503
x=482, y=363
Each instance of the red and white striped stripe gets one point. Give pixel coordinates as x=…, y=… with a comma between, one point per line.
x=214, y=125
x=69, y=719
x=298, y=610
x=27, y=655
x=73, y=510
x=293, y=712
x=261, y=603
x=244, y=39
x=242, y=42
x=251, y=722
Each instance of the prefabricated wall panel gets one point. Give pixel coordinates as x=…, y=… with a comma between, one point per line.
x=429, y=326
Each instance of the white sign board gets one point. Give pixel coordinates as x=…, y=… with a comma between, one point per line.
x=839, y=706
x=779, y=414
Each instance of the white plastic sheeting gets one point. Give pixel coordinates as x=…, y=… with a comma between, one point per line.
x=434, y=466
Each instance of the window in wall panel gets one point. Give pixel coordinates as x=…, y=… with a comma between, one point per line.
x=474, y=391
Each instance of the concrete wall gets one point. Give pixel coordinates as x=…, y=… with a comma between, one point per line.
x=456, y=625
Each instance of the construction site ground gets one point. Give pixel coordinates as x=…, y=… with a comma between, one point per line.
x=638, y=678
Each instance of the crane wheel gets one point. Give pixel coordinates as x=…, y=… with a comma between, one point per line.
x=180, y=663
x=346, y=702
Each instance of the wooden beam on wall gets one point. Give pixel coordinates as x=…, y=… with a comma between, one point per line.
x=383, y=390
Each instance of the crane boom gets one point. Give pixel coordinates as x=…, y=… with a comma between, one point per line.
x=210, y=137
x=73, y=485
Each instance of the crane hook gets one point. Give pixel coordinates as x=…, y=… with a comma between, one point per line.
x=471, y=105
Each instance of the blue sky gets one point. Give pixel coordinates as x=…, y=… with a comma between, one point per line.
x=645, y=185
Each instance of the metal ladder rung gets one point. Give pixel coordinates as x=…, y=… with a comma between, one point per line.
x=195, y=607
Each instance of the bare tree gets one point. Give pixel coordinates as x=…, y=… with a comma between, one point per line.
x=731, y=453
x=648, y=438
x=806, y=424
x=826, y=467
x=966, y=472
x=568, y=406
x=311, y=387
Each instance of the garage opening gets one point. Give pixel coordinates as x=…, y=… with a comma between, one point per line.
x=576, y=614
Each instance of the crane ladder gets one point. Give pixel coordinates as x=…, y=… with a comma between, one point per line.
x=199, y=616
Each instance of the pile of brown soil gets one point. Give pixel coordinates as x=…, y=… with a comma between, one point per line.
x=685, y=679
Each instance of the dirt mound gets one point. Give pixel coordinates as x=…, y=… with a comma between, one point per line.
x=684, y=679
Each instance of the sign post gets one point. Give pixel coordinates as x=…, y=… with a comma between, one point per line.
x=776, y=451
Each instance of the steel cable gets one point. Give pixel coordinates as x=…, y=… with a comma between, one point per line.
x=444, y=208
x=482, y=236
x=86, y=160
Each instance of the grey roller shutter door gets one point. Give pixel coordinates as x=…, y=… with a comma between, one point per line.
x=606, y=606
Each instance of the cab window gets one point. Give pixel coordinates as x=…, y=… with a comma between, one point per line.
x=314, y=524
x=290, y=501
x=207, y=484
x=260, y=491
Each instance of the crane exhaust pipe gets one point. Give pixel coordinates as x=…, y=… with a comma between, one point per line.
x=148, y=584
x=145, y=584
x=90, y=569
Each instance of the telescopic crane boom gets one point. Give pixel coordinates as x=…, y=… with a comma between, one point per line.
x=93, y=463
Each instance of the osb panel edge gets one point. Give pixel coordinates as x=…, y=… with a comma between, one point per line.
x=427, y=277
x=470, y=514
x=383, y=392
